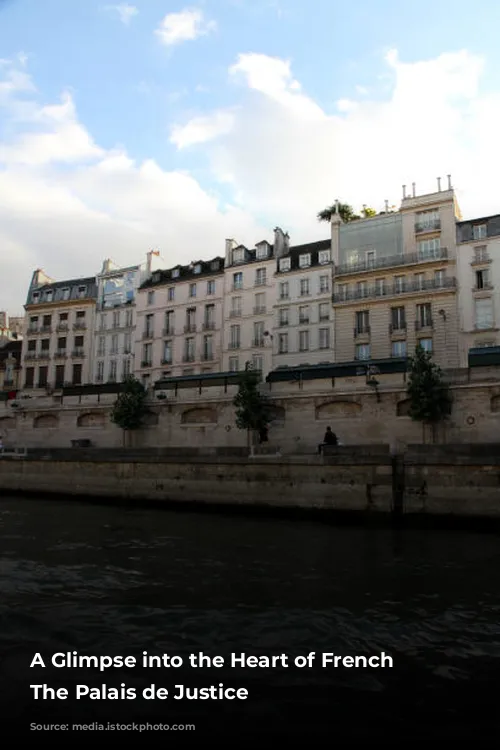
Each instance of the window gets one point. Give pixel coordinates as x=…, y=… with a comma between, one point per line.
x=305, y=260
x=128, y=319
x=233, y=364
x=479, y=231
x=283, y=316
x=235, y=311
x=483, y=279
x=304, y=314
x=362, y=324
x=324, y=311
x=32, y=345
x=82, y=290
x=45, y=345
x=324, y=338
x=439, y=278
x=189, y=350
x=283, y=343
x=61, y=344
x=284, y=264
x=176, y=273
x=116, y=319
x=238, y=280
x=147, y=352
x=114, y=344
x=197, y=268
x=284, y=291
x=239, y=255
x=148, y=328
x=429, y=249
x=370, y=258
x=234, y=337
x=362, y=289
x=484, y=313
x=304, y=287
x=427, y=220
x=324, y=284
x=36, y=296
x=362, y=351
x=126, y=368
x=481, y=254
x=151, y=297
x=169, y=323
x=260, y=304
x=304, y=341
x=30, y=377
x=398, y=349
x=208, y=348
x=209, y=317
x=33, y=324
x=46, y=323
x=101, y=346
x=210, y=287
x=77, y=375
x=49, y=295
x=192, y=290
x=59, y=376
x=79, y=343
x=257, y=362
x=171, y=293
x=380, y=287
x=43, y=373
x=424, y=316
x=100, y=372
x=65, y=294
x=260, y=277
x=426, y=345
x=102, y=322
x=127, y=343
x=167, y=353
x=258, y=334
x=398, y=319
x=214, y=265
x=342, y=291
x=112, y=371
x=261, y=252
x=190, y=320
x=145, y=378
x=399, y=284
x=324, y=256
x=419, y=281
x=63, y=317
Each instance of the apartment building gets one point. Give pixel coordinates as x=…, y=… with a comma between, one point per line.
x=303, y=316
x=179, y=321
x=249, y=296
x=11, y=328
x=395, y=280
x=10, y=367
x=59, y=324
x=478, y=271
x=115, y=321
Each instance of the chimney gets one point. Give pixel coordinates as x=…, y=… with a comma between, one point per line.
x=336, y=217
x=230, y=245
x=413, y=189
x=449, y=182
x=279, y=243
x=287, y=242
x=439, y=184
x=404, y=192
x=106, y=266
x=386, y=202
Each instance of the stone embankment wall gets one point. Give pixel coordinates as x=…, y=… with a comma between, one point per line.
x=456, y=480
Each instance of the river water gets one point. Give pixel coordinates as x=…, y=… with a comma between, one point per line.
x=108, y=580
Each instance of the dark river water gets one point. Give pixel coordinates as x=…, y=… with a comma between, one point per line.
x=109, y=581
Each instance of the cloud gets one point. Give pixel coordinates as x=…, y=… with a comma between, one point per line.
x=202, y=129
x=185, y=26
x=125, y=12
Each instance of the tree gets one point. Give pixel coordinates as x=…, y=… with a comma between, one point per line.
x=252, y=409
x=130, y=408
x=346, y=213
x=368, y=212
x=430, y=397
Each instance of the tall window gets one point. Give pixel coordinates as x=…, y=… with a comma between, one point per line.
x=126, y=369
x=419, y=281
x=100, y=371
x=191, y=320
x=426, y=345
x=169, y=323
x=260, y=304
x=171, y=293
x=362, y=324
x=398, y=318
x=481, y=254
x=192, y=290
x=324, y=311
x=238, y=280
x=479, y=231
x=101, y=346
x=304, y=341
x=148, y=327
x=283, y=316
x=398, y=349
x=208, y=348
x=116, y=319
x=260, y=277
x=258, y=334
x=304, y=287
x=399, y=284
x=114, y=344
x=284, y=290
x=234, y=337
x=424, y=315
x=362, y=351
x=209, y=317
x=128, y=318
x=324, y=284
x=257, y=362
x=235, y=311
x=362, y=289
x=429, y=248
x=127, y=343
x=483, y=279
x=484, y=313
x=439, y=278
x=147, y=355
x=189, y=350
x=210, y=287
x=112, y=370
x=167, y=353
x=324, y=338
x=283, y=343
x=77, y=375
x=304, y=314
x=233, y=364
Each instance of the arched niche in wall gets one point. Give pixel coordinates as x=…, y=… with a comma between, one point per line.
x=91, y=419
x=199, y=415
x=403, y=408
x=150, y=419
x=277, y=414
x=7, y=423
x=45, y=420
x=495, y=403
x=338, y=410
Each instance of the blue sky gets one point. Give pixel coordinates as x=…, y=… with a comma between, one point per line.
x=292, y=103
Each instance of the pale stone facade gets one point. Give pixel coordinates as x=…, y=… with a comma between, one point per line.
x=478, y=270
x=395, y=281
x=59, y=326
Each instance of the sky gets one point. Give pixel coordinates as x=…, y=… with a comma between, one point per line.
x=153, y=124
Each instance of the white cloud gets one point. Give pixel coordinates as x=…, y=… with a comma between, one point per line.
x=185, y=26
x=202, y=129
x=125, y=12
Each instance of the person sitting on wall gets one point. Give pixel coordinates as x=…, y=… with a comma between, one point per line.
x=329, y=439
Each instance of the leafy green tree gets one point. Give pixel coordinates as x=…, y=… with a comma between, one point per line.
x=368, y=212
x=345, y=211
x=252, y=409
x=430, y=397
x=130, y=407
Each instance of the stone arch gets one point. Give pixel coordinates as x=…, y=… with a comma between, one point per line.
x=403, y=407
x=495, y=403
x=91, y=419
x=150, y=419
x=45, y=420
x=199, y=415
x=338, y=410
x=277, y=414
x=7, y=423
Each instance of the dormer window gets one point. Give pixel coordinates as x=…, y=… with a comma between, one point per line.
x=36, y=296
x=49, y=296
x=175, y=273
x=284, y=264
x=156, y=277
x=82, y=291
x=324, y=256
x=238, y=255
x=65, y=293
x=197, y=268
x=305, y=260
x=214, y=265
x=261, y=252
x=479, y=231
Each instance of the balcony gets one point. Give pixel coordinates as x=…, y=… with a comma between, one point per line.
x=78, y=353
x=147, y=334
x=361, y=331
x=62, y=327
x=190, y=328
x=481, y=260
x=8, y=382
x=391, y=290
x=303, y=320
x=400, y=328
x=234, y=345
x=46, y=329
x=146, y=363
x=207, y=357
x=29, y=356
x=188, y=357
x=168, y=331
x=209, y=325
x=392, y=261
x=485, y=287
x=60, y=354
x=127, y=350
x=284, y=297
x=166, y=361
x=33, y=329
x=259, y=310
x=484, y=325
x=427, y=226
x=425, y=324
x=237, y=287
x=235, y=313
x=282, y=323
x=80, y=325
x=260, y=282
x=258, y=342
x=44, y=356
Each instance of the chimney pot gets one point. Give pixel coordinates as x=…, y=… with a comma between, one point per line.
x=449, y=182
x=413, y=189
x=404, y=192
x=386, y=202
x=439, y=184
